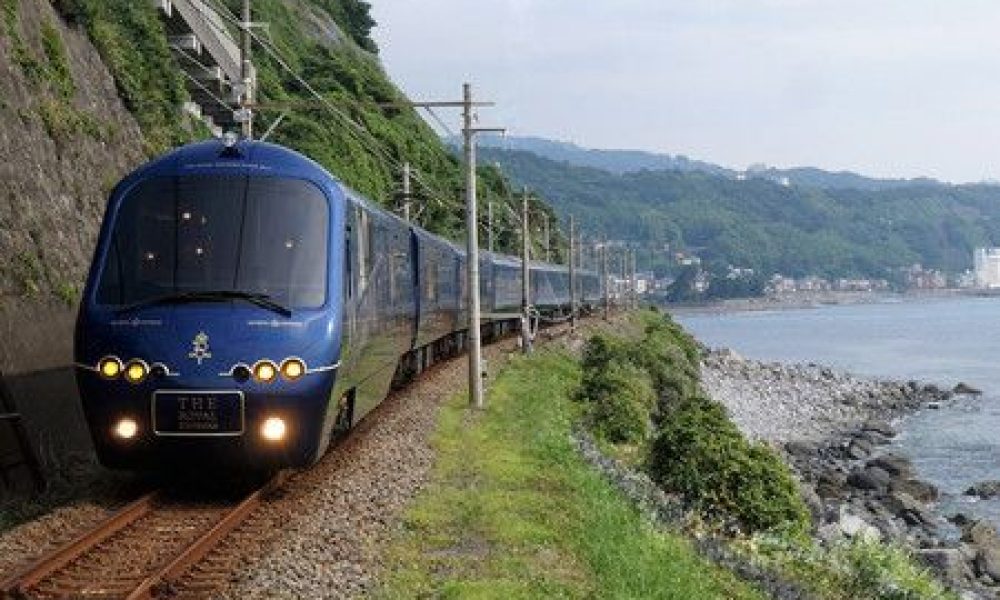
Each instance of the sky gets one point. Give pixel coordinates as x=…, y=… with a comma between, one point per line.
x=890, y=88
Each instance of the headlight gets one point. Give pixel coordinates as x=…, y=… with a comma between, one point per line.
x=126, y=428
x=136, y=371
x=265, y=371
x=110, y=367
x=273, y=429
x=293, y=368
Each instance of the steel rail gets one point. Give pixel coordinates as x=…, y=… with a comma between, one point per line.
x=197, y=549
x=52, y=562
x=21, y=584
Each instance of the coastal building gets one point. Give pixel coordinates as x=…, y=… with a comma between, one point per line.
x=920, y=278
x=966, y=279
x=987, y=267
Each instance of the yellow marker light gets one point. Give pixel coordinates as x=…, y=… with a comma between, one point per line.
x=110, y=367
x=136, y=371
x=273, y=429
x=126, y=429
x=293, y=368
x=265, y=371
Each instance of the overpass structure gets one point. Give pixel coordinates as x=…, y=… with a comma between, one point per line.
x=215, y=72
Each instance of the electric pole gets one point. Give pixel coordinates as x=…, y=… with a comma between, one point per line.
x=604, y=279
x=406, y=191
x=489, y=224
x=548, y=255
x=246, y=71
x=572, y=275
x=472, y=225
x=634, y=283
x=525, y=276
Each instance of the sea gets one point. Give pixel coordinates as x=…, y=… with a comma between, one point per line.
x=932, y=340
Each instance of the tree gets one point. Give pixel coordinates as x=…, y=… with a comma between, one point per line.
x=359, y=23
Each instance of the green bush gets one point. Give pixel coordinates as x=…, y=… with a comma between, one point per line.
x=601, y=350
x=620, y=398
x=861, y=569
x=700, y=453
x=696, y=451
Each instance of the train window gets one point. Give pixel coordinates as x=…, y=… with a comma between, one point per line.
x=284, y=242
x=431, y=278
x=348, y=275
x=463, y=284
x=392, y=260
x=140, y=261
x=209, y=234
x=363, y=249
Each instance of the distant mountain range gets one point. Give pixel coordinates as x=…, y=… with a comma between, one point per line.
x=860, y=226
x=615, y=161
x=631, y=161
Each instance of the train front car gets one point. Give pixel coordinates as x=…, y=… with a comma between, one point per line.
x=209, y=329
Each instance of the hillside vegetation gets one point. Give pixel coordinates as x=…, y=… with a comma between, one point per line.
x=328, y=44
x=756, y=223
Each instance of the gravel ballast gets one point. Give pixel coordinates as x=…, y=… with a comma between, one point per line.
x=22, y=544
x=325, y=537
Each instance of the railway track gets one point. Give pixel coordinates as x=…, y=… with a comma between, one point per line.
x=147, y=549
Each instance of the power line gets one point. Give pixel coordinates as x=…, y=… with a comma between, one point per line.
x=360, y=132
x=276, y=56
x=438, y=120
x=205, y=89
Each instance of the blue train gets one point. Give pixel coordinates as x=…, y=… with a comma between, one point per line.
x=244, y=306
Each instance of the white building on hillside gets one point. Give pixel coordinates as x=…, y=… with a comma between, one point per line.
x=987, y=267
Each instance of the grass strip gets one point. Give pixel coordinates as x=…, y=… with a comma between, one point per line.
x=512, y=510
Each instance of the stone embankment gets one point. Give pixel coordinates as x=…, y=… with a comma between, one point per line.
x=835, y=430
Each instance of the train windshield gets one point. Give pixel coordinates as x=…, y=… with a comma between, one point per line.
x=255, y=235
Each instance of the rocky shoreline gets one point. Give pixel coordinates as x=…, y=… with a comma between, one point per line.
x=835, y=430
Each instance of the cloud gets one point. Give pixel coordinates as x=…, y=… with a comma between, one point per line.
x=896, y=87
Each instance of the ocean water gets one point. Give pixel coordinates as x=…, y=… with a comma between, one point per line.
x=941, y=341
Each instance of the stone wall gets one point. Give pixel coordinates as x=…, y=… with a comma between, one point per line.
x=65, y=140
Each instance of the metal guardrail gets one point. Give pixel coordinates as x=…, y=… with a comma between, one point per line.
x=209, y=56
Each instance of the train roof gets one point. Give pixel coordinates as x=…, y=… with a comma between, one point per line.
x=244, y=157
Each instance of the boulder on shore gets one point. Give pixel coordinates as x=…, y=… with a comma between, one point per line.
x=964, y=388
x=853, y=526
x=981, y=534
x=916, y=488
x=893, y=464
x=984, y=489
x=880, y=427
x=988, y=563
x=948, y=563
x=910, y=510
x=870, y=478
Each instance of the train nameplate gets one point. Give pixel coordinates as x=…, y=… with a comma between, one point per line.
x=195, y=413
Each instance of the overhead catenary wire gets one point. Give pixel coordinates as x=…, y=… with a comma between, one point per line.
x=440, y=122
x=361, y=133
x=201, y=86
x=356, y=129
